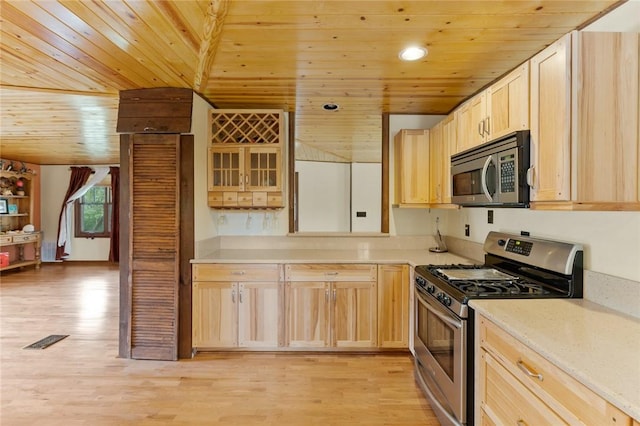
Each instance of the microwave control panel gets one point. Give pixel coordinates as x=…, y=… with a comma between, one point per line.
x=507, y=173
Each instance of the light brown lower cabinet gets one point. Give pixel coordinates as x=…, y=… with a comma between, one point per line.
x=236, y=306
x=331, y=305
x=518, y=386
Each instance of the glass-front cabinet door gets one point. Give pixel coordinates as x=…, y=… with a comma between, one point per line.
x=263, y=169
x=226, y=165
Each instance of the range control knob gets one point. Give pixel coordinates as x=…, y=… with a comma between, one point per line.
x=431, y=288
x=502, y=242
x=446, y=300
x=440, y=296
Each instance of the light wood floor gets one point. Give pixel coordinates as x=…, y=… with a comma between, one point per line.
x=80, y=380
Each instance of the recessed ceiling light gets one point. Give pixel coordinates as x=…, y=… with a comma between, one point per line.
x=330, y=107
x=413, y=53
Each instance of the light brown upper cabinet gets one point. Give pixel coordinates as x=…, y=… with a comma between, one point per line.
x=441, y=144
x=245, y=161
x=584, y=123
x=472, y=122
x=499, y=110
x=411, y=168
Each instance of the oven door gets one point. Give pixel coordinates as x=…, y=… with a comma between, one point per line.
x=439, y=344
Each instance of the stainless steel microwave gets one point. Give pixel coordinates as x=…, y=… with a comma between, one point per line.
x=492, y=174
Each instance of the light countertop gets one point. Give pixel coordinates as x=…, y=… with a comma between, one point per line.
x=598, y=346
x=412, y=257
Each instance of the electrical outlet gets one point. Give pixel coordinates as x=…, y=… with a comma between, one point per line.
x=489, y=216
x=467, y=230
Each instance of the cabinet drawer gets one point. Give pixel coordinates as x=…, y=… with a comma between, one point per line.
x=507, y=402
x=274, y=200
x=330, y=272
x=259, y=199
x=230, y=199
x=245, y=199
x=215, y=199
x=569, y=398
x=25, y=238
x=5, y=239
x=236, y=272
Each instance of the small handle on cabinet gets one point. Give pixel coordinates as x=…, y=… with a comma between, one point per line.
x=481, y=127
x=334, y=295
x=149, y=129
x=237, y=273
x=326, y=295
x=240, y=295
x=233, y=296
x=488, y=127
x=526, y=370
x=521, y=422
x=333, y=274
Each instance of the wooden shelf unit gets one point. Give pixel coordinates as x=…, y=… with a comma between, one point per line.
x=11, y=224
x=245, y=159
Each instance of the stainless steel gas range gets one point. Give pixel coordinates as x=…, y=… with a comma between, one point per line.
x=516, y=267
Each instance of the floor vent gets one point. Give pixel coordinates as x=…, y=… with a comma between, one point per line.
x=48, y=251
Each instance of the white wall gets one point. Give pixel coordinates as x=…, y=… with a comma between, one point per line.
x=611, y=240
x=366, y=195
x=54, y=183
x=324, y=196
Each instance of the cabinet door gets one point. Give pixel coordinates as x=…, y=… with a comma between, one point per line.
x=263, y=171
x=354, y=316
x=436, y=163
x=471, y=118
x=258, y=314
x=226, y=169
x=411, y=164
x=509, y=102
x=550, y=122
x=307, y=305
x=393, y=306
x=215, y=314
x=606, y=117
x=449, y=138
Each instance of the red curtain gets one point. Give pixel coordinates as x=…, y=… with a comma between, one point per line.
x=114, y=245
x=79, y=176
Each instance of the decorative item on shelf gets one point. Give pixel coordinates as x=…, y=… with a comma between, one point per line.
x=13, y=209
x=20, y=186
x=4, y=206
x=28, y=228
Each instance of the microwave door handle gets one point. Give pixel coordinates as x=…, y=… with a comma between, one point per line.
x=483, y=179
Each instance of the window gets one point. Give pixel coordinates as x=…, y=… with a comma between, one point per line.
x=93, y=213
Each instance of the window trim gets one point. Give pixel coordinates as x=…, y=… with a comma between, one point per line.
x=77, y=219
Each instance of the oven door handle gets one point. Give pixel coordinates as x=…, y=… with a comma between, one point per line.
x=438, y=313
x=483, y=178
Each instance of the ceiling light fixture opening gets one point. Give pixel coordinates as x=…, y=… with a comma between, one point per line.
x=330, y=107
x=413, y=53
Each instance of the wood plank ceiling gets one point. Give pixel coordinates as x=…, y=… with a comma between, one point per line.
x=64, y=62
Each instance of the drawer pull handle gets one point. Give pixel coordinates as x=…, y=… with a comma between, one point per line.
x=521, y=422
x=237, y=273
x=522, y=366
x=333, y=274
